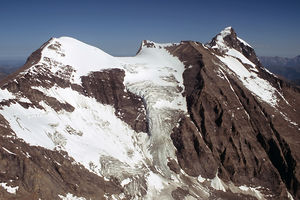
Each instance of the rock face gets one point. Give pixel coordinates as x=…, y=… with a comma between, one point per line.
x=108, y=88
x=176, y=121
x=239, y=139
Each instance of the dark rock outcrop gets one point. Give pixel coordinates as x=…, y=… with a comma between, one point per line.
x=108, y=88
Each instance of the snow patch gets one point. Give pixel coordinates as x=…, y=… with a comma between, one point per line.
x=252, y=190
x=24, y=100
x=155, y=185
x=217, y=183
x=243, y=41
x=288, y=119
x=125, y=182
x=26, y=154
x=9, y=189
x=260, y=87
x=5, y=95
x=8, y=151
x=70, y=196
x=239, y=55
x=201, y=179
x=290, y=196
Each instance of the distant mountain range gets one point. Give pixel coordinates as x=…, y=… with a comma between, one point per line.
x=9, y=66
x=288, y=68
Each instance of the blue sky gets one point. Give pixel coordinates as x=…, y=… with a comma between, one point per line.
x=118, y=26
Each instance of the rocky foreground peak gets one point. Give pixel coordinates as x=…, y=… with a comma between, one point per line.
x=176, y=121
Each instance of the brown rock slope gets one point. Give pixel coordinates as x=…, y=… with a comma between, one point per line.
x=230, y=131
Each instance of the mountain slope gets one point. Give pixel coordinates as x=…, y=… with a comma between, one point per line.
x=182, y=120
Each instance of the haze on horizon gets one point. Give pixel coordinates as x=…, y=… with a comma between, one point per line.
x=118, y=27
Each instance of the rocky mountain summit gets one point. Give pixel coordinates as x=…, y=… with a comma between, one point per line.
x=177, y=121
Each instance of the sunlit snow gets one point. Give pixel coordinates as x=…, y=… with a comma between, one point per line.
x=258, y=86
x=9, y=189
x=87, y=133
x=70, y=196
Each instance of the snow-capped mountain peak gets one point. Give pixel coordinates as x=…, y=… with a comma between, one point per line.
x=176, y=121
x=227, y=38
x=227, y=31
x=83, y=58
